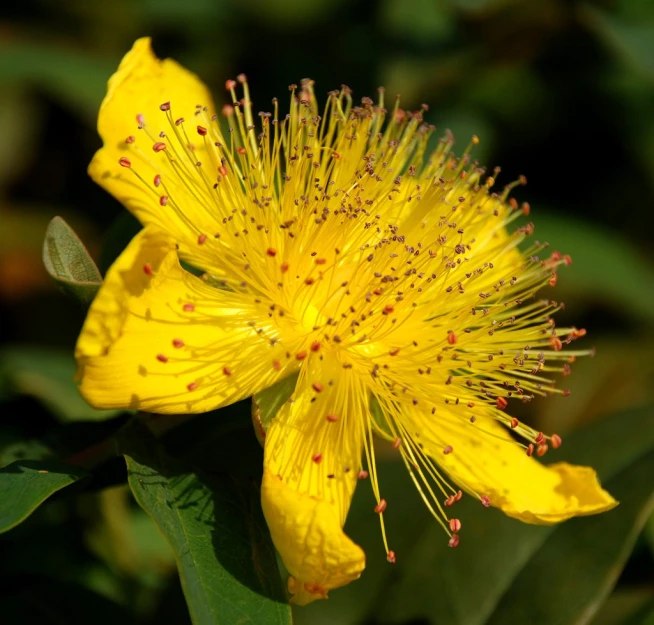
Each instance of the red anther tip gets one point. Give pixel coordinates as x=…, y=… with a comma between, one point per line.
x=315, y=346
x=165, y=106
x=502, y=403
x=454, y=540
x=177, y=343
x=455, y=525
x=381, y=506
x=388, y=309
x=541, y=450
x=514, y=423
x=179, y=121
x=485, y=501
x=451, y=338
x=448, y=450
x=362, y=475
x=320, y=261
x=318, y=387
x=317, y=458
x=242, y=78
x=189, y=307
x=163, y=200
x=277, y=365
x=228, y=110
x=390, y=556
x=202, y=131
x=552, y=280
x=301, y=355
x=192, y=386
x=227, y=371
x=450, y=501
x=556, y=441
x=284, y=267
x=162, y=358
x=458, y=495
x=271, y=251
x=130, y=139
x=230, y=84
x=530, y=449
x=567, y=260
x=394, y=352
x=202, y=238
x=241, y=150
x=309, y=281
x=157, y=180
x=332, y=418
x=397, y=443
x=159, y=146
x=540, y=437
x=222, y=170
x=124, y=162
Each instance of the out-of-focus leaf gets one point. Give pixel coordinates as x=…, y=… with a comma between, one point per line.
x=267, y=403
x=426, y=21
x=213, y=523
x=26, y=484
x=430, y=579
x=625, y=607
x=48, y=376
x=77, y=79
x=68, y=263
x=633, y=42
x=605, y=266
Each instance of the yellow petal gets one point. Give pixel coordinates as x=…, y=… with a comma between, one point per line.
x=159, y=339
x=485, y=460
x=312, y=458
x=140, y=86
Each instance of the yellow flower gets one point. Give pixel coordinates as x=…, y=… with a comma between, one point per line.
x=337, y=246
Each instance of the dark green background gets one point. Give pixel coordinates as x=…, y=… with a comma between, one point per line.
x=562, y=92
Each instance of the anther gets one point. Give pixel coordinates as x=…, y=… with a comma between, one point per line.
x=284, y=267
x=189, y=307
x=178, y=343
x=455, y=525
x=241, y=151
x=502, y=403
x=124, y=162
x=147, y=269
x=448, y=450
x=332, y=418
x=394, y=352
x=315, y=346
x=541, y=450
x=309, y=281
x=530, y=449
x=222, y=170
x=317, y=458
x=301, y=355
x=397, y=443
x=318, y=387
x=454, y=540
x=227, y=371
x=162, y=358
x=159, y=146
x=163, y=200
x=202, y=131
x=451, y=337
x=320, y=261
x=514, y=423
x=390, y=556
x=164, y=107
x=362, y=475
x=450, y=501
x=556, y=344
x=201, y=239
x=556, y=441
x=271, y=251
x=388, y=309
x=157, y=180
x=458, y=495
x=485, y=501
x=192, y=386
x=540, y=437
x=230, y=84
x=381, y=506
x=130, y=139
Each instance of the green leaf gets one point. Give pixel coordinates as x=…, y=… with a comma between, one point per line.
x=266, y=404
x=48, y=375
x=604, y=265
x=215, y=527
x=26, y=484
x=67, y=261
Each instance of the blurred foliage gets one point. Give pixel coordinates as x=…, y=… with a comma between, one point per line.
x=558, y=90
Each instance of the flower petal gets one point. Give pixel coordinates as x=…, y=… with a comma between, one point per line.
x=159, y=339
x=312, y=458
x=485, y=460
x=140, y=86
